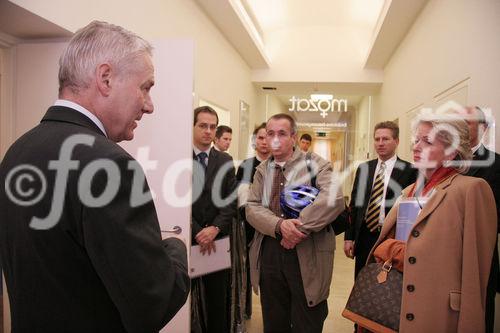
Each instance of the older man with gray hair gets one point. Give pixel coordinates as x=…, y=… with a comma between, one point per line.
x=77, y=259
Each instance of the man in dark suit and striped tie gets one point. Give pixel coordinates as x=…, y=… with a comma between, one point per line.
x=377, y=185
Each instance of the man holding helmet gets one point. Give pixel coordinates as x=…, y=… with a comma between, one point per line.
x=291, y=259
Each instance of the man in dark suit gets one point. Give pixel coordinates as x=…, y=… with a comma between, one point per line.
x=212, y=217
x=486, y=165
x=372, y=200
x=244, y=177
x=80, y=253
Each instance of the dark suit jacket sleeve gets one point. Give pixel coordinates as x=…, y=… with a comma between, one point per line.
x=145, y=277
x=195, y=226
x=494, y=183
x=240, y=172
x=349, y=233
x=226, y=213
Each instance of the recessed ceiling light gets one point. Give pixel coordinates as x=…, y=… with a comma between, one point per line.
x=321, y=97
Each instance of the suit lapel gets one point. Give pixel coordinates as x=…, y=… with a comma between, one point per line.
x=397, y=172
x=213, y=158
x=372, y=166
x=482, y=154
x=431, y=205
x=435, y=200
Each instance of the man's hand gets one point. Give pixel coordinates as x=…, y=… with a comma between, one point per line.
x=206, y=239
x=291, y=235
x=207, y=248
x=349, y=249
x=206, y=235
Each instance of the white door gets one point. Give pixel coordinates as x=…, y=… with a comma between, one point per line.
x=163, y=145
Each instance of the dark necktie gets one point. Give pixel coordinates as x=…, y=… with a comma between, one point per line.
x=202, y=157
x=278, y=184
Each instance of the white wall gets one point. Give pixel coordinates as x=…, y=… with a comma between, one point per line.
x=221, y=76
x=452, y=51
x=274, y=106
x=36, y=83
x=7, y=58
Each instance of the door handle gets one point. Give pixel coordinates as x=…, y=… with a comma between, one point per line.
x=175, y=230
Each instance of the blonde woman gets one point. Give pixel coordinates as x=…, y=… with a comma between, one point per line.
x=447, y=256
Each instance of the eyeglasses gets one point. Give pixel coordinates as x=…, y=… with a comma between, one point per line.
x=205, y=126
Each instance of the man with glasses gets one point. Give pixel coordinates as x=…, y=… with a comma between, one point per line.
x=211, y=218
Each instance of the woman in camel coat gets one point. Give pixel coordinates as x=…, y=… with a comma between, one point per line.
x=447, y=257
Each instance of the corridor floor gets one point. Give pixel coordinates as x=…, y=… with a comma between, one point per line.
x=343, y=279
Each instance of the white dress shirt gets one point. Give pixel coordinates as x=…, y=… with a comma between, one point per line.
x=197, y=151
x=82, y=110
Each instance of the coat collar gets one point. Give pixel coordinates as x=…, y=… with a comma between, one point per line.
x=68, y=115
x=434, y=201
x=297, y=154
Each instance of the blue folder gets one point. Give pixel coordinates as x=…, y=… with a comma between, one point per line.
x=408, y=211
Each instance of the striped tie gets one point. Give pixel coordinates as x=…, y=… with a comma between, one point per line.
x=373, y=212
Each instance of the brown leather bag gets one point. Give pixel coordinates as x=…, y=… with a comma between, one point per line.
x=375, y=300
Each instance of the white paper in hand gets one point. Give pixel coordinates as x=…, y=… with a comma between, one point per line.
x=200, y=264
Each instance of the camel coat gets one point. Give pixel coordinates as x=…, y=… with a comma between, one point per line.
x=448, y=258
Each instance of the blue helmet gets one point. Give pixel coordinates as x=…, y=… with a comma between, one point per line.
x=295, y=198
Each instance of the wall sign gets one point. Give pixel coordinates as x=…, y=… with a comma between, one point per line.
x=323, y=106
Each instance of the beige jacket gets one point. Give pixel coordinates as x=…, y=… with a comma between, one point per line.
x=315, y=253
x=448, y=257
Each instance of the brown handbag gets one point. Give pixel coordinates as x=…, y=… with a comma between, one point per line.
x=375, y=300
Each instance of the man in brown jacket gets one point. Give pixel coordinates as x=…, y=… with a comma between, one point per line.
x=292, y=259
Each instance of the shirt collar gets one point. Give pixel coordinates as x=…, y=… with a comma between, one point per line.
x=389, y=162
x=475, y=148
x=258, y=158
x=197, y=151
x=82, y=110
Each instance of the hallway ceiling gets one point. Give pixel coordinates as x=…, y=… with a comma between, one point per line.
x=32, y=27
x=284, y=14
x=294, y=44
x=257, y=28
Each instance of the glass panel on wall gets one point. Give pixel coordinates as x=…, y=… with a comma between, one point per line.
x=337, y=126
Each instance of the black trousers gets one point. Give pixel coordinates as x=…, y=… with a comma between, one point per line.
x=284, y=304
x=248, y=294
x=217, y=294
x=363, y=246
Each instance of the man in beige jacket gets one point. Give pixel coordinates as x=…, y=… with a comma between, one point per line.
x=292, y=259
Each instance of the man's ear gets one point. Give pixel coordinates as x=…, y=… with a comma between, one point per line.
x=103, y=79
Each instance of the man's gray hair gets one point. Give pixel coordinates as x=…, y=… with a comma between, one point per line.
x=452, y=130
x=98, y=43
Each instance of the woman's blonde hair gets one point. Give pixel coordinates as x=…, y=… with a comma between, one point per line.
x=452, y=130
